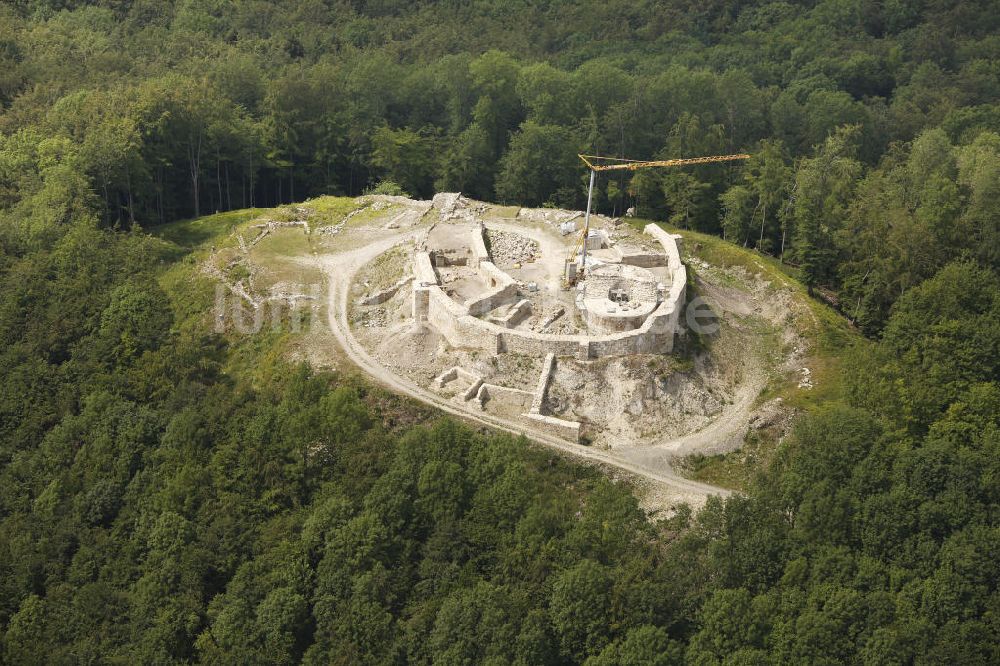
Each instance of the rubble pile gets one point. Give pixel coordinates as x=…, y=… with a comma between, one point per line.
x=269, y=226
x=453, y=206
x=507, y=249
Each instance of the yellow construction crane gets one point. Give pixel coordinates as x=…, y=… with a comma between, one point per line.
x=631, y=165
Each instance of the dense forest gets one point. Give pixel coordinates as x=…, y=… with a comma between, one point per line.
x=172, y=495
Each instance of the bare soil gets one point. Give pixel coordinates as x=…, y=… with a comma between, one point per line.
x=640, y=414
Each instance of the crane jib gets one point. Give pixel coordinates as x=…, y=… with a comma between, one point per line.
x=624, y=165
x=633, y=165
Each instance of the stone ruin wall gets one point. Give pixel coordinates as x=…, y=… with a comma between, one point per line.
x=555, y=426
x=598, y=285
x=617, y=323
x=503, y=290
x=505, y=396
x=423, y=270
x=479, y=251
x=642, y=259
x=461, y=329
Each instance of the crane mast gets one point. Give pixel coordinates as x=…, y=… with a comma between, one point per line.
x=634, y=165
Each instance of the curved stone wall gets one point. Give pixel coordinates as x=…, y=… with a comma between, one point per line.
x=462, y=329
x=637, y=285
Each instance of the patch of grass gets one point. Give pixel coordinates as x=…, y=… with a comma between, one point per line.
x=384, y=270
x=284, y=242
x=279, y=255
x=663, y=366
x=370, y=213
x=719, y=252
x=330, y=209
x=238, y=272
x=505, y=212
x=256, y=358
x=733, y=470
x=253, y=358
x=191, y=234
x=192, y=295
x=695, y=342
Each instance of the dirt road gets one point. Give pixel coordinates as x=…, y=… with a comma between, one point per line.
x=340, y=269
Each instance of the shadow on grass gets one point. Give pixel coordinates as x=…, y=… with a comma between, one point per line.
x=190, y=234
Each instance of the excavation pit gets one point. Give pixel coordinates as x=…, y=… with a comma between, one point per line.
x=494, y=288
x=618, y=297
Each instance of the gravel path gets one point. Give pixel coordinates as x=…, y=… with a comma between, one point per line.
x=340, y=269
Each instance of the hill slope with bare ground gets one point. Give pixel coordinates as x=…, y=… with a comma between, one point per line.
x=686, y=425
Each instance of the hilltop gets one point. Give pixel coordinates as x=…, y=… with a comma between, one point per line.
x=776, y=352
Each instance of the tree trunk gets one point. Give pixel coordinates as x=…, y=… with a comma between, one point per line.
x=194, y=159
x=252, y=184
x=128, y=188
x=107, y=212
x=229, y=190
x=218, y=178
x=763, y=218
x=159, y=193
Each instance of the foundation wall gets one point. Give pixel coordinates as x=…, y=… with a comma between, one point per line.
x=503, y=290
x=473, y=390
x=421, y=303
x=440, y=259
x=505, y=396
x=456, y=372
x=479, y=253
x=536, y=344
x=566, y=429
x=643, y=259
x=621, y=343
x=493, y=275
x=423, y=270
x=615, y=324
x=449, y=375
x=639, y=290
x=450, y=319
x=488, y=302
x=461, y=329
x=543, y=383
x=382, y=296
x=669, y=243
x=517, y=314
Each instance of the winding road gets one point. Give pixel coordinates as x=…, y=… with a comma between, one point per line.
x=340, y=269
